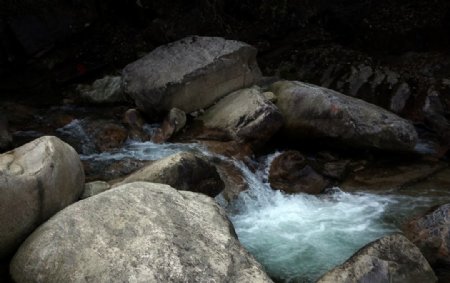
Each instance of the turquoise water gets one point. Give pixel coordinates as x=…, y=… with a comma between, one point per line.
x=299, y=237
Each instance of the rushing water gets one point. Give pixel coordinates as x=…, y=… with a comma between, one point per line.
x=298, y=237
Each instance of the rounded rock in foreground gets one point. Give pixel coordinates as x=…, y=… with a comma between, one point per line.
x=138, y=232
x=389, y=259
x=36, y=180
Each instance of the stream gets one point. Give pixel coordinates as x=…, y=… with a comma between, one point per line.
x=297, y=238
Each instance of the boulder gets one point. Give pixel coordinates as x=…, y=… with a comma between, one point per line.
x=245, y=116
x=36, y=180
x=291, y=173
x=94, y=188
x=190, y=74
x=183, y=171
x=389, y=259
x=313, y=112
x=431, y=233
x=172, y=124
x=106, y=90
x=233, y=178
x=142, y=232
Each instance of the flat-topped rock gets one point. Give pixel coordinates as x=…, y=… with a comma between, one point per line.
x=190, y=74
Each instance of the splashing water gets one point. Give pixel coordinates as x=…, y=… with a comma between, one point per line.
x=144, y=151
x=300, y=237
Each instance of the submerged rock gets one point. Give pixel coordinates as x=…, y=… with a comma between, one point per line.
x=313, y=112
x=190, y=74
x=389, y=259
x=36, y=180
x=390, y=175
x=431, y=233
x=183, y=171
x=142, y=232
x=245, y=116
x=291, y=173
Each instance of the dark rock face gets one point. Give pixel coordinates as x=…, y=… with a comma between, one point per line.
x=5, y=135
x=174, y=121
x=391, y=175
x=431, y=233
x=140, y=231
x=88, y=136
x=389, y=259
x=312, y=112
x=190, y=74
x=183, y=171
x=291, y=173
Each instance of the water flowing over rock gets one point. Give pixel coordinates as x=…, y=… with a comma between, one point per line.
x=431, y=233
x=291, y=173
x=36, y=181
x=183, y=171
x=190, y=74
x=245, y=116
x=143, y=232
x=313, y=112
x=389, y=259
x=106, y=90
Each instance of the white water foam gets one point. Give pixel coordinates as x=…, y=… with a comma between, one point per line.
x=299, y=237
x=144, y=151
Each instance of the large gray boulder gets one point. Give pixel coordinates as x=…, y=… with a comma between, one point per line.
x=184, y=171
x=313, y=112
x=245, y=116
x=36, y=180
x=391, y=259
x=138, y=232
x=190, y=74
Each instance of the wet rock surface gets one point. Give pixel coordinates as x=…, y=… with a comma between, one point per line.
x=390, y=259
x=430, y=232
x=387, y=175
x=165, y=235
x=291, y=173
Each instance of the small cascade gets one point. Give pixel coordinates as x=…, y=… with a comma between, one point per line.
x=299, y=237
